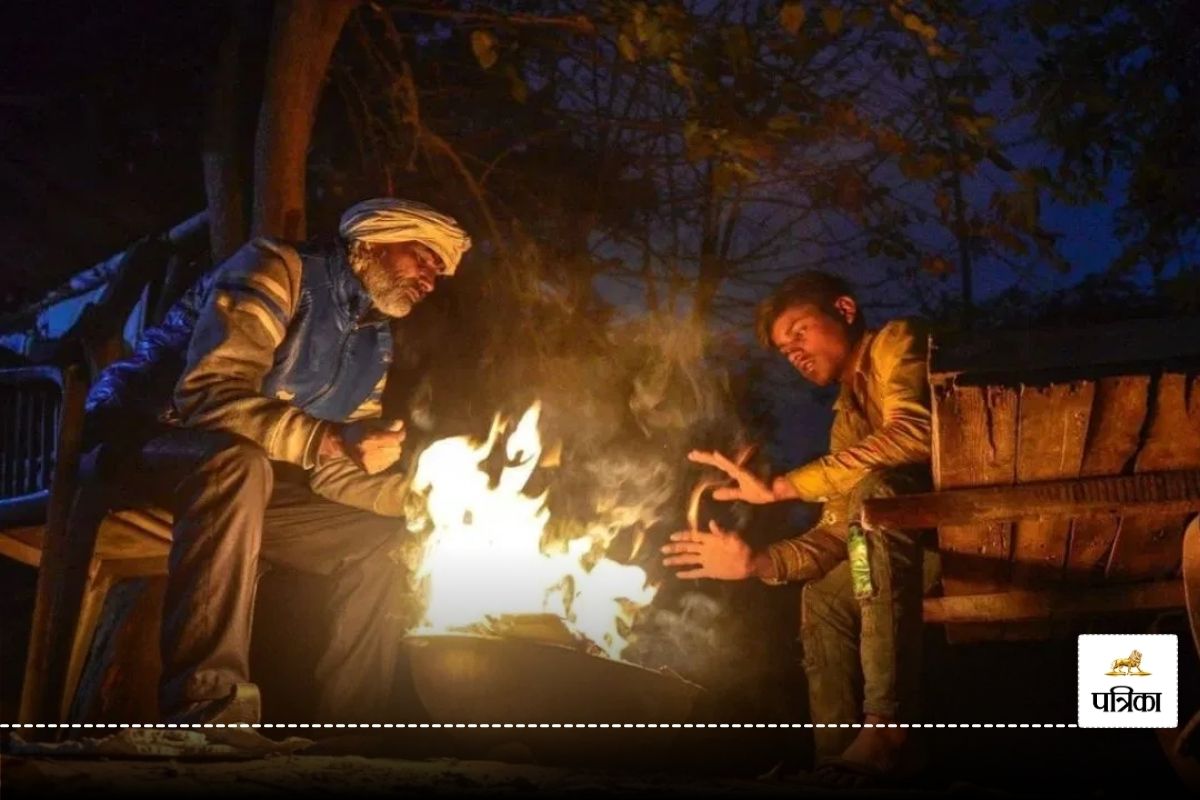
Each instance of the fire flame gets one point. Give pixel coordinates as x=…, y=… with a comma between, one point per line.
x=485, y=556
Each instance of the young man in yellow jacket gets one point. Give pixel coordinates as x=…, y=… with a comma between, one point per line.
x=861, y=606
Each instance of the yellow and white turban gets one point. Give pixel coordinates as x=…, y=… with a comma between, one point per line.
x=387, y=219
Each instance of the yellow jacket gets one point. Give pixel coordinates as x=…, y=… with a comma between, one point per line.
x=882, y=420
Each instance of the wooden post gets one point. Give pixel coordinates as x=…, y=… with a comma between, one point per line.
x=63, y=571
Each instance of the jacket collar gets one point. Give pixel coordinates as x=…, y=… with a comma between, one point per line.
x=852, y=395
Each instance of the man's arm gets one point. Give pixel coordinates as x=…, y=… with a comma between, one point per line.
x=233, y=348
x=343, y=481
x=905, y=436
x=725, y=555
x=811, y=554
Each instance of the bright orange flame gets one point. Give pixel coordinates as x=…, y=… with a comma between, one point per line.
x=484, y=556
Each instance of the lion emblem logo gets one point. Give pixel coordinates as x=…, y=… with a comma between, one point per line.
x=1126, y=666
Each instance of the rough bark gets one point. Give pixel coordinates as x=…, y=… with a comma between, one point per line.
x=303, y=35
x=229, y=126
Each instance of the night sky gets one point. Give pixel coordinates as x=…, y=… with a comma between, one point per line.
x=101, y=110
x=101, y=105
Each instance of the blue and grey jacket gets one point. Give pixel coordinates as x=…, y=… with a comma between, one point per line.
x=273, y=345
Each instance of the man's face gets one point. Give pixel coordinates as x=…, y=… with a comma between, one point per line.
x=816, y=342
x=397, y=275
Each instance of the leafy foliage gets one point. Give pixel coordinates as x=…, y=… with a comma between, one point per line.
x=693, y=153
x=1115, y=91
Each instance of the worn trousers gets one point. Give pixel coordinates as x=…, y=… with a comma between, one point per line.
x=235, y=510
x=863, y=656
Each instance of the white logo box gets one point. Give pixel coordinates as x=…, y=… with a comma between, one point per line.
x=1129, y=698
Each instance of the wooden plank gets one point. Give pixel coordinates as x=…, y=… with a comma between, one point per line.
x=1173, y=440
x=1147, y=546
x=118, y=540
x=974, y=444
x=23, y=544
x=1050, y=443
x=1053, y=604
x=147, y=520
x=1118, y=415
x=1150, y=545
x=1176, y=492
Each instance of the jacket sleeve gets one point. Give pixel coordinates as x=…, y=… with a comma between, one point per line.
x=901, y=373
x=136, y=390
x=232, y=349
x=813, y=553
x=343, y=481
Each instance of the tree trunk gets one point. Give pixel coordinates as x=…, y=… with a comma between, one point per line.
x=303, y=35
x=229, y=126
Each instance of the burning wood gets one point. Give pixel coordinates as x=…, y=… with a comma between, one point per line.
x=486, y=566
x=543, y=628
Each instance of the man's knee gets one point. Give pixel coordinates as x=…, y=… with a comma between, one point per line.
x=375, y=543
x=827, y=607
x=239, y=466
x=217, y=459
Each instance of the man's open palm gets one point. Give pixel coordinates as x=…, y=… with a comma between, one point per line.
x=750, y=488
x=717, y=553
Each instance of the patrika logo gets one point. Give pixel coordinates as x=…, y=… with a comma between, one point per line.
x=1140, y=690
x=1129, y=665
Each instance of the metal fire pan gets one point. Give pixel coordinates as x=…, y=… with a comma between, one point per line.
x=473, y=678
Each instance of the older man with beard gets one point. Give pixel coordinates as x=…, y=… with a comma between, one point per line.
x=271, y=447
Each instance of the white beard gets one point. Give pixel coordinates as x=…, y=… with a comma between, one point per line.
x=394, y=298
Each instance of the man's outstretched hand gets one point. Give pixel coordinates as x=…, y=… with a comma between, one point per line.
x=750, y=488
x=372, y=444
x=719, y=554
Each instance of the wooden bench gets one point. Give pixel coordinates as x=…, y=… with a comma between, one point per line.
x=1067, y=469
x=1067, y=474
x=39, y=473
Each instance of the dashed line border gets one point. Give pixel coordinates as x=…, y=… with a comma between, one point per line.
x=589, y=725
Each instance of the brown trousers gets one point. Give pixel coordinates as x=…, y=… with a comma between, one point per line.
x=864, y=656
x=234, y=508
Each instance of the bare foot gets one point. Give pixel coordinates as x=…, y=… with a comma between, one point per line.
x=877, y=748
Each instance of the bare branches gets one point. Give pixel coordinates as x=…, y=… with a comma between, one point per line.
x=695, y=149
